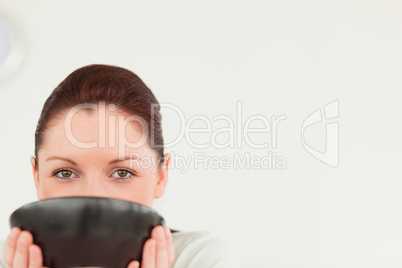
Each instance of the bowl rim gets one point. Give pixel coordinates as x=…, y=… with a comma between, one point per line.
x=55, y=199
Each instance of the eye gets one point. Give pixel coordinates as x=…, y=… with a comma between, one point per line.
x=63, y=174
x=123, y=174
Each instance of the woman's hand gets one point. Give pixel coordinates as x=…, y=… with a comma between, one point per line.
x=158, y=250
x=20, y=251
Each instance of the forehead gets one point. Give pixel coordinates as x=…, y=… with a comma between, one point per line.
x=93, y=130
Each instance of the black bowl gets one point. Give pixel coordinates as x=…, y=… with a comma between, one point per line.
x=87, y=231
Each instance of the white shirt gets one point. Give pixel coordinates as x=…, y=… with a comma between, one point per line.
x=199, y=249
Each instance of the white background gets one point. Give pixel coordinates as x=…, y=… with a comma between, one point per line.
x=276, y=57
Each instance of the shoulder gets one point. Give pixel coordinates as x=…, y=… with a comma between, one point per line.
x=202, y=249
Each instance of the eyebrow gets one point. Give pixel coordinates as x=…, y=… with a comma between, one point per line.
x=127, y=157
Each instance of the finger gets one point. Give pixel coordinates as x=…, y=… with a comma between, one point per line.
x=134, y=264
x=21, y=254
x=169, y=245
x=161, y=249
x=11, y=245
x=148, y=255
x=35, y=256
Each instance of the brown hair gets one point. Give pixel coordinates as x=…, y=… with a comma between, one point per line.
x=112, y=85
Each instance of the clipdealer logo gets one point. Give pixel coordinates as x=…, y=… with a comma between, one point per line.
x=237, y=131
x=330, y=155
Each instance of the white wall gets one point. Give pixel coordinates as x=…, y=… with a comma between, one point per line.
x=276, y=57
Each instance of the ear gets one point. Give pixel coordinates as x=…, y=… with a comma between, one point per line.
x=162, y=177
x=36, y=178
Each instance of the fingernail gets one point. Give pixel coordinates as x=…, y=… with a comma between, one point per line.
x=14, y=232
x=167, y=231
x=23, y=239
x=159, y=233
x=31, y=251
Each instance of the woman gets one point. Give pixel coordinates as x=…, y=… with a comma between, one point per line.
x=96, y=131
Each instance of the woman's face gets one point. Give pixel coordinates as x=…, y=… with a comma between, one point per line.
x=108, y=167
